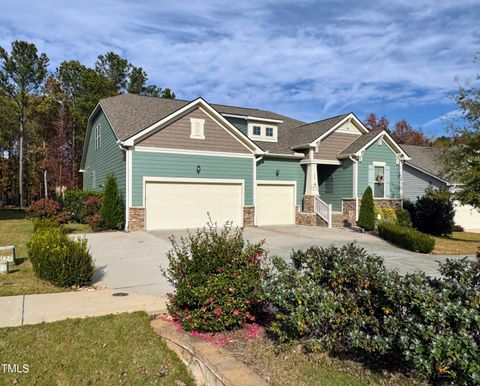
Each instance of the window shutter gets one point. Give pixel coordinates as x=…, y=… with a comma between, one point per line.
x=371, y=178
x=386, y=181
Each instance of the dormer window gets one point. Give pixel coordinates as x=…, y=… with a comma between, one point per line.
x=197, y=126
x=262, y=132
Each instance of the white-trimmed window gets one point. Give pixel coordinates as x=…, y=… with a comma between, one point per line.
x=379, y=179
x=197, y=128
x=262, y=132
x=98, y=137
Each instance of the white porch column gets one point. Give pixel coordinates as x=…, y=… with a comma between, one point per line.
x=311, y=185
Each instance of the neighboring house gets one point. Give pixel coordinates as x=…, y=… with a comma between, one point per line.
x=176, y=161
x=423, y=171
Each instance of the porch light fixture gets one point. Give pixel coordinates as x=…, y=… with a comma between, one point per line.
x=199, y=169
x=277, y=172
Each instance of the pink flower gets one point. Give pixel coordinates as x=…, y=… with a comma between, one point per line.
x=231, y=289
x=235, y=274
x=236, y=312
x=217, y=311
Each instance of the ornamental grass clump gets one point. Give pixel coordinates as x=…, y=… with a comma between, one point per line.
x=217, y=277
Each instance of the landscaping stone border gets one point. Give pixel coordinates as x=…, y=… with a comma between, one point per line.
x=209, y=365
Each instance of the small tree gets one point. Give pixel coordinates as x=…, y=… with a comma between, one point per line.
x=112, y=206
x=366, y=218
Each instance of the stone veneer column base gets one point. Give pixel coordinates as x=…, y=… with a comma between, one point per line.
x=308, y=204
x=136, y=221
x=248, y=216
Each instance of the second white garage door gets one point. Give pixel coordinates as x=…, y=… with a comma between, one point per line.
x=275, y=203
x=184, y=204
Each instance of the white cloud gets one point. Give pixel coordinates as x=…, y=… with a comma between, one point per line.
x=326, y=55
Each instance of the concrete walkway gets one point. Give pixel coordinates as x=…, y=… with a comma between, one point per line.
x=32, y=309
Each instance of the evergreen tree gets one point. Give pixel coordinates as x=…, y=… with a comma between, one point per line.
x=112, y=207
x=366, y=218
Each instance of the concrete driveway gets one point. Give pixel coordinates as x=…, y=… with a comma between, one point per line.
x=132, y=261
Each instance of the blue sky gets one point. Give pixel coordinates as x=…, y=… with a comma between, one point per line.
x=306, y=59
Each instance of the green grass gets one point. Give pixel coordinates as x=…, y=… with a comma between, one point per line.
x=109, y=350
x=458, y=243
x=16, y=230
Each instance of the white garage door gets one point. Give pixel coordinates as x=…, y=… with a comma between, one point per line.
x=180, y=204
x=275, y=203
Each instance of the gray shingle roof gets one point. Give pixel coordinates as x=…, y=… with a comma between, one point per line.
x=131, y=113
x=309, y=132
x=425, y=158
x=359, y=143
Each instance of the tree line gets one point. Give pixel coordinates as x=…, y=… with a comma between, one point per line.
x=43, y=116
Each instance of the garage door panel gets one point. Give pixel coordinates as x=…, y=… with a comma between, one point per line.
x=275, y=204
x=175, y=205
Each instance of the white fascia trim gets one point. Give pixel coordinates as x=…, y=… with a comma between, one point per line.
x=277, y=155
x=147, y=149
x=355, y=186
x=320, y=162
x=81, y=171
x=128, y=181
x=347, y=118
x=252, y=118
x=430, y=174
x=200, y=102
x=281, y=183
x=213, y=181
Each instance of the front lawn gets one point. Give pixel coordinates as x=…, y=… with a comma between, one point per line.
x=458, y=243
x=16, y=230
x=108, y=350
x=294, y=367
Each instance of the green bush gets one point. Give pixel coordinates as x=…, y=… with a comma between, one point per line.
x=386, y=214
x=45, y=223
x=366, y=217
x=346, y=301
x=57, y=258
x=409, y=206
x=406, y=237
x=73, y=203
x=216, y=275
x=403, y=217
x=112, y=210
x=434, y=213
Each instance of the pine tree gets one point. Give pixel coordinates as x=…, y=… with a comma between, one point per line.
x=112, y=207
x=366, y=218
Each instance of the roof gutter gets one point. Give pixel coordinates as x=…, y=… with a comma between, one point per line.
x=277, y=155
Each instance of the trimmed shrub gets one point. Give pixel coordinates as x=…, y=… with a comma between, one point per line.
x=216, y=275
x=386, y=214
x=346, y=301
x=91, y=207
x=403, y=217
x=405, y=237
x=96, y=222
x=73, y=203
x=45, y=223
x=112, y=210
x=366, y=217
x=59, y=259
x=43, y=209
x=434, y=213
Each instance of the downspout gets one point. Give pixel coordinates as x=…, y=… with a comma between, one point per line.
x=355, y=184
x=127, y=182
x=255, y=189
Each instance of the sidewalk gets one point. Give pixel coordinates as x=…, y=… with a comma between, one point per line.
x=32, y=309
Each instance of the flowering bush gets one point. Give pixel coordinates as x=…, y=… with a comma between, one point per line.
x=96, y=222
x=73, y=203
x=216, y=275
x=344, y=300
x=91, y=205
x=386, y=214
x=43, y=209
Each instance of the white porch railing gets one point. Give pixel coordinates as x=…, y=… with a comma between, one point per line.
x=324, y=210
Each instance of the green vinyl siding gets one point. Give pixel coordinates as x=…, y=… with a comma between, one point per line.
x=335, y=182
x=108, y=158
x=379, y=152
x=240, y=124
x=152, y=164
x=289, y=170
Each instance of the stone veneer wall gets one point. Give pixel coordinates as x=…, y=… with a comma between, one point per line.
x=137, y=219
x=388, y=203
x=248, y=216
x=308, y=216
x=347, y=217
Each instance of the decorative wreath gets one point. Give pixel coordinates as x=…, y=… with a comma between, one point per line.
x=379, y=178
